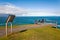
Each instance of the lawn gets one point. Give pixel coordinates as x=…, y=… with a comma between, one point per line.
x=44, y=33
x=14, y=26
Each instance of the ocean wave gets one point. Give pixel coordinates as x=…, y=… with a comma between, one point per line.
x=58, y=25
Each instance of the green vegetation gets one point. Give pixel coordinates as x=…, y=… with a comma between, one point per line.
x=14, y=26
x=44, y=33
x=3, y=27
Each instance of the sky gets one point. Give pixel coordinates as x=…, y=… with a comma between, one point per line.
x=30, y=7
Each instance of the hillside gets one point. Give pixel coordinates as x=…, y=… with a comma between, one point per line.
x=44, y=33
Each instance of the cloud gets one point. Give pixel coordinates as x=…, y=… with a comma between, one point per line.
x=8, y=8
x=40, y=14
x=43, y=12
x=11, y=9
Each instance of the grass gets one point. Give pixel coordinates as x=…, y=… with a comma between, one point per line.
x=14, y=26
x=45, y=33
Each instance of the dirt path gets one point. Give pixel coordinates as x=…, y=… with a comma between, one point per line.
x=26, y=27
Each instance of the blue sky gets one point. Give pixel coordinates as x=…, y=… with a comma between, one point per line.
x=34, y=7
x=34, y=3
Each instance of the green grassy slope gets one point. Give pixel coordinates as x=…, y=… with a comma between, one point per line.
x=45, y=33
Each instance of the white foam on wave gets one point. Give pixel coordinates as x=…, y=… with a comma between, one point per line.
x=58, y=25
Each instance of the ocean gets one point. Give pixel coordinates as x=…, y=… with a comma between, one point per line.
x=30, y=20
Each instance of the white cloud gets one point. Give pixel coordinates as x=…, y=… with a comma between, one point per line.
x=12, y=9
x=40, y=14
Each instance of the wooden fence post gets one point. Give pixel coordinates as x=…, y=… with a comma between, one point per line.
x=6, y=28
x=11, y=27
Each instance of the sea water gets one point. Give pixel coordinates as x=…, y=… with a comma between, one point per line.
x=29, y=20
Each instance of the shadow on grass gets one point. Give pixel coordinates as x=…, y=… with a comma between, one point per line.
x=53, y=27
x=23, y=30
x=17, y=32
